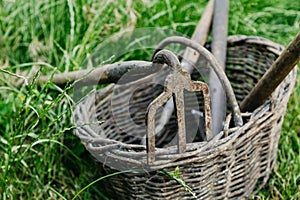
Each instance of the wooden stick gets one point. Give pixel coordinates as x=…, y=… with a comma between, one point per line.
x=219, y=47
x=200, y=36
x=110, y=73
x=273, y=77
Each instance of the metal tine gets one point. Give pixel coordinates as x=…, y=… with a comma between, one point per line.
x=190, y=59
x=175, y=85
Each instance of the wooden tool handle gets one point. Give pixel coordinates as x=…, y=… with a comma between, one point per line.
x=219, y=47
x=200, y=35
x=110, y=73
x=273, y=77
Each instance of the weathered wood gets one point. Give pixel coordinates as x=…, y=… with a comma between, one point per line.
x=110, y=73
x=219, y=46
x=200, y=36
x=273, y=77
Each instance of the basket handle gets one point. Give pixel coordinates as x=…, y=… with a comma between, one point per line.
x=238, y=121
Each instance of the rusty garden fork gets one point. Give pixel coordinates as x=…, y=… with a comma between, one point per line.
x=175, y=84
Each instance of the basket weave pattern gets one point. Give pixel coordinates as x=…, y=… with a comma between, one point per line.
x=229, y=166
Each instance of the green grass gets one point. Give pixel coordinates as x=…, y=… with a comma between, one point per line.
x=40, y=158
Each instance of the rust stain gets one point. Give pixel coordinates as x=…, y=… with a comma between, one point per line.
x=175, y=84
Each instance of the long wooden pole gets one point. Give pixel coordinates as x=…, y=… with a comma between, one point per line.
x=219, y=47
x=200, y=36
x=110, y=73
x=273, y=77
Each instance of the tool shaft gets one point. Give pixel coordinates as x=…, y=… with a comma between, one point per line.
x=287, y=60
x=219, y=47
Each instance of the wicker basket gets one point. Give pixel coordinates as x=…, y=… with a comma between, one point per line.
x=229, y=166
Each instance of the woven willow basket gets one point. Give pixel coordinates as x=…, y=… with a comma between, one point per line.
x=234, y=164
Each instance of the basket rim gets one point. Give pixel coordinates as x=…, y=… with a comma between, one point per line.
x=196, y=148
